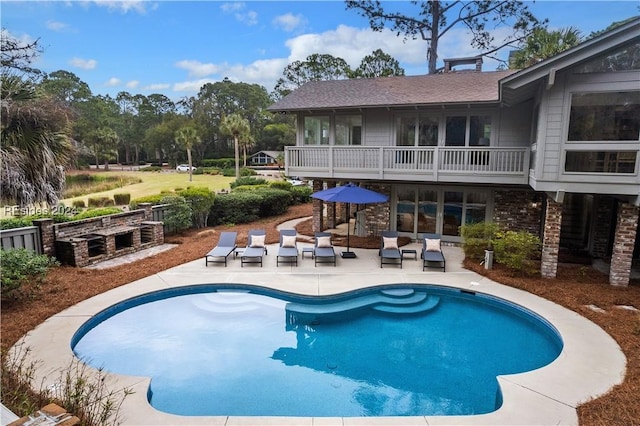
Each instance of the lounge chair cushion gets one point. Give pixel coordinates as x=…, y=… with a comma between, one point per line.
x=324, y=242
x=390, y=243
x=288, y=241
x=257, y=241
x=432, y=244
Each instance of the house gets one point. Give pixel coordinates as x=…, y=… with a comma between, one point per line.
x=266, y=158
x=552, y=149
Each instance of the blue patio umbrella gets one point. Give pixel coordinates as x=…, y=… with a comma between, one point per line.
x=350, y=194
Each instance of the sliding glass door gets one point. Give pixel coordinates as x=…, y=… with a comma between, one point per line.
x=422, y=209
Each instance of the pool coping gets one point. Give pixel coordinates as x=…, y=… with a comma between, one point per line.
x=590, y=363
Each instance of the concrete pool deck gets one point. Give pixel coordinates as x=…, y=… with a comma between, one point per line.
x=590, y=363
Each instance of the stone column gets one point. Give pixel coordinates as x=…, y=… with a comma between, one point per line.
x=47, y=235
x=551, y=239
x=331, y=209
x=623, y=245
x=377, y=215
x=317, y=207
x=148, y=211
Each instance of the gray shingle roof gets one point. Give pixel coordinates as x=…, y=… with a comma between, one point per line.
x=455, y=87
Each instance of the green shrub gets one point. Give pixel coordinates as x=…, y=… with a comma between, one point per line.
x=249, y=205
x=228, y=172
x=281, y=184
x=151, y=169
x=247, y=171
x=478, y=237
x=249, y=187
x=273, y=201
x=235, y=207
x=97, y=212
x=517, y=251
x=153, y=199
x=79, y=204
x=178, y=216
x=122, y=199
x=201, y=200
x=248, y=180
x=301, y=194
x=15, y=222
x=100, y=201
x=23, y=272
x=220, y=163
x=210, y=170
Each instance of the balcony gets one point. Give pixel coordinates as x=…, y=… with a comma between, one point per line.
x=423, y=164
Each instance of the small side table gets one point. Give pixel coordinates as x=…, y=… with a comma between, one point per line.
x=410, y=251
x=307, y=250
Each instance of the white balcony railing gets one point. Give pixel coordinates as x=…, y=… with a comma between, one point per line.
x=447, y=164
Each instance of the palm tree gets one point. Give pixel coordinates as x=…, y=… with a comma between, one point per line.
x=543, y=44
x=187, y=136
x=238, y=127
x=105, y=143
x=35, y=145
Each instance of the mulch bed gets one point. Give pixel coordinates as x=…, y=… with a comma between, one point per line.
x=576, y=287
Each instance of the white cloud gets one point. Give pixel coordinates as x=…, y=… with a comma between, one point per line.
x=56, y=26
x=289, y=22
x=85, y=64
x=133, y=84
x=125, y=6
x=156, y=87
x=353, y=44
x=191, y=86
x=238, y=10
x=113, y=81
x=197, y=68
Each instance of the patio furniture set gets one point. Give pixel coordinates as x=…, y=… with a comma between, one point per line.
x=322, y=251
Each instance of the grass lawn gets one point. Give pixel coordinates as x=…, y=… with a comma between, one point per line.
x=155, y=182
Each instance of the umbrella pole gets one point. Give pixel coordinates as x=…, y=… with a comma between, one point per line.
x=348, y=254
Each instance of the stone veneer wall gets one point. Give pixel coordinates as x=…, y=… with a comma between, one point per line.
x=331, y=221
x=317, y=208
x=622, y=256
x=551, y=239
x=377, y=215
x=519, y=210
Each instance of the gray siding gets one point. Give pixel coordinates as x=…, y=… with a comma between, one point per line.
x=514, y=126
x=378, y=129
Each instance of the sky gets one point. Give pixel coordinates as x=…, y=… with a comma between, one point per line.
x=175, y=47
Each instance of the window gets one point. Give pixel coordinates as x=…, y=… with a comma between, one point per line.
x=473, y=130
x=623, y=59
x=406, y=132
x=316, y=130
x=601, y=161
x=609, y=116
x=427, y=134
x=456, y=131
x=348, y=130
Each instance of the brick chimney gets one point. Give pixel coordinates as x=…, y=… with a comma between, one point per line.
x=449, y=64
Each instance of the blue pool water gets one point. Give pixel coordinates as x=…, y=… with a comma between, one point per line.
x=409, y=350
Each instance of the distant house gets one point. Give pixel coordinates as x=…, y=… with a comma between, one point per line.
x=266, y=158
x=552, y=149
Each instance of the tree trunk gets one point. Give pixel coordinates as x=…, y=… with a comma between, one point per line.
x=432, y=50
x=190, y=171
x=237, y=155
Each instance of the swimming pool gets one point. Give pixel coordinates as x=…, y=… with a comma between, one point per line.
x=383, y=351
